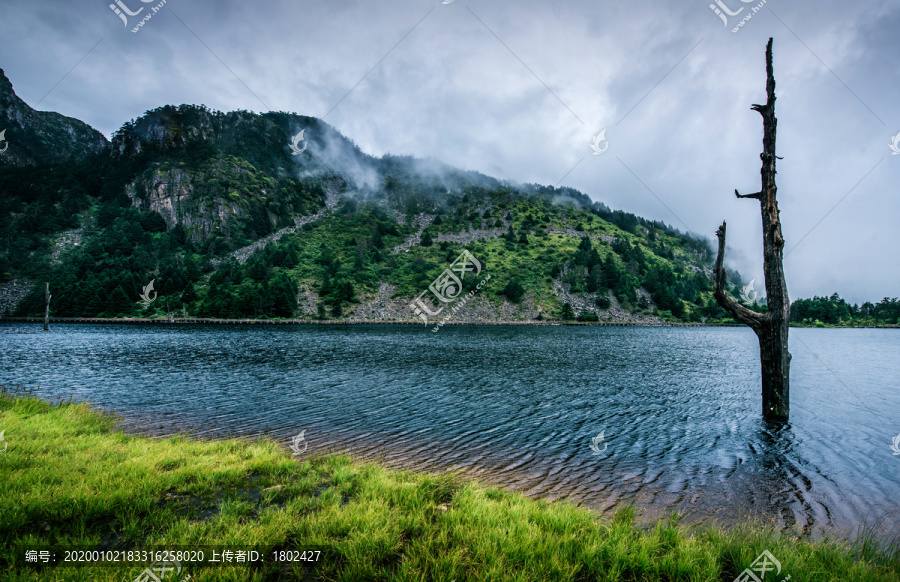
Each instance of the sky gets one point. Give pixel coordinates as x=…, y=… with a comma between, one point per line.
x=519, y=91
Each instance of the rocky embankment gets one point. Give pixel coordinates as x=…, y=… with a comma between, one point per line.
x=12, y=293
x=577, y=233
x=332, y=195
x=65, y=241
x=463, y=237
x=422, y=221
x=385, y=306
x=473, y=234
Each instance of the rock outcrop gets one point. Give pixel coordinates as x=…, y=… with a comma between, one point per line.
x=12, y=293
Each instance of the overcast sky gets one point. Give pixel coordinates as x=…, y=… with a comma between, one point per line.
x=517, y=90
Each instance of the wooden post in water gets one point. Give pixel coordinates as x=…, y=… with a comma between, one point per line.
x=47, y=307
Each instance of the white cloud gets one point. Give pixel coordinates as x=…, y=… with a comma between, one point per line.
x=450, y=90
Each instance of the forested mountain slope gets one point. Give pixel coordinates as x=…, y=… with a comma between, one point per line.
x=279, y=215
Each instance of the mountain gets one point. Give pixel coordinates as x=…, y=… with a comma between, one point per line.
x=41, y=137
x=279, y=215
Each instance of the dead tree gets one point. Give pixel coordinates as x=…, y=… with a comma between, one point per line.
x=771, y=327
x=47, y=307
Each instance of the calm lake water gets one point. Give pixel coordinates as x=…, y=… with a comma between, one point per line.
x=679, y=407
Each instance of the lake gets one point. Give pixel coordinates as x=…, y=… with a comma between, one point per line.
x=679, y=408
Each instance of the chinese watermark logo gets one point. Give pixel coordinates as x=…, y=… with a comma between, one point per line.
x=121, y=10
x=461, y=303
x=3, y=141
x=158, y=570
x=725, y=10
x=748, y=295
x=895, y=144
x=595, y=442
x=721, y=10
x=447, y=286
x=124, y=10
x=6, y=444
x=145, y=296
x=595, y=143
x=763, y=564
x=895, y=445
x=295, y=148
x=295, y=444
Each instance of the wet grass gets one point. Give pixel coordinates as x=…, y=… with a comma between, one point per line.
x=68, y=477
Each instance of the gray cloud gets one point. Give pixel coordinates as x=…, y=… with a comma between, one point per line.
x=525, y=107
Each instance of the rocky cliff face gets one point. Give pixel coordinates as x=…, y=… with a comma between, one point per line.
x=174, y=196
x=226, y=174
x=33, y=137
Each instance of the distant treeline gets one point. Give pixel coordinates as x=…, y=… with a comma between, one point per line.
x=835, y=311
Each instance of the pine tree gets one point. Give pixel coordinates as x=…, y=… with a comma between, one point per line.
x=283, y=292
x=189, y=295
x=514, y=291
x=596, y=279
x=290, y=259
x=118, y=303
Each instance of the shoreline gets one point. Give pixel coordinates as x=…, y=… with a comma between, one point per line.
x=492, y=469
x=80, y=477
x=213, y=321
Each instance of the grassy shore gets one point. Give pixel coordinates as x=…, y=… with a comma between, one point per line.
x=68, y=477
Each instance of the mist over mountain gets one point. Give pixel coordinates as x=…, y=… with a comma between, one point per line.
x=238, y=214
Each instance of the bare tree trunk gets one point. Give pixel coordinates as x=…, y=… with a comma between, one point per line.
x=47, y=307
x=772, y=327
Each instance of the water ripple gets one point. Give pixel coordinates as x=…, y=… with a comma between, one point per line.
x=518, y=406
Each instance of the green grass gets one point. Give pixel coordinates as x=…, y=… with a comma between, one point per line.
x=69, y=477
